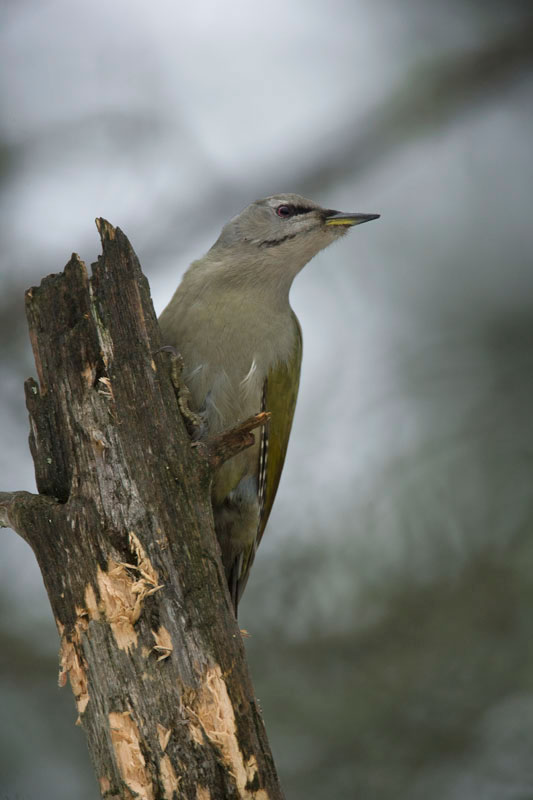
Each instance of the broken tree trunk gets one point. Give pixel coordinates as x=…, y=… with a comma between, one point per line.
x=123, y=532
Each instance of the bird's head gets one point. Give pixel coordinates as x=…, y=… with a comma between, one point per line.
x=266, y=245
x=286, y=229
x=281, y=218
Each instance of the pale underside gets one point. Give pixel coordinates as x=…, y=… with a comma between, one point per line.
x=237, y=356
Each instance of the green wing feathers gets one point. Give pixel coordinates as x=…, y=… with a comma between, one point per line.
x=279, y=398
x=281, y=391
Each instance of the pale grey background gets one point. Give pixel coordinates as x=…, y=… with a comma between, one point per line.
x=390, y=603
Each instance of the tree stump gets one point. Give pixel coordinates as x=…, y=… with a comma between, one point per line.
x=123, y=532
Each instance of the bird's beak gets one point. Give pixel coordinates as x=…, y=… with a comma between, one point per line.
x=338, y=218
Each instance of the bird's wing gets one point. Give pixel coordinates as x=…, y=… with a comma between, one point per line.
x=279, y=398
x=280, y=393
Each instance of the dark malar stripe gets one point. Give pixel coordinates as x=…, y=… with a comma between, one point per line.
x=275, y=242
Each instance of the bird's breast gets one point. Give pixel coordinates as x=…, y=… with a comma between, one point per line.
x=229, y=340
x=227, y=363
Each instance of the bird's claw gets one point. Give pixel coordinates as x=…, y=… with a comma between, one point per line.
x=194, y=422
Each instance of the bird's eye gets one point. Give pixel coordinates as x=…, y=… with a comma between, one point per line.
x=284, y=211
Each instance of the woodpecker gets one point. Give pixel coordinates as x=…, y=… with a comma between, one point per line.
x=241, y=343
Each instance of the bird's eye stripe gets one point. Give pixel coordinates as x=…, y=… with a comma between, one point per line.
x=301, y=209
x=286, y=210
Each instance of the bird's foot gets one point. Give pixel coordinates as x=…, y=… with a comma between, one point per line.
x=194, y=422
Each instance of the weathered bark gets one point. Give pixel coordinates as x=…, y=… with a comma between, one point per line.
x=123, y=532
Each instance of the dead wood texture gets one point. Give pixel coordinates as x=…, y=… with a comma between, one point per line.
x=123, y=532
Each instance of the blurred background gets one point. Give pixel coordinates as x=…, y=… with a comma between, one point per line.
x=390, y=602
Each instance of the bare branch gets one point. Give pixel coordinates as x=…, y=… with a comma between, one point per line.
x=233, y=441
x=18, y=509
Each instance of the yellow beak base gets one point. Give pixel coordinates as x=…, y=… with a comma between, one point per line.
x=338, y=218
